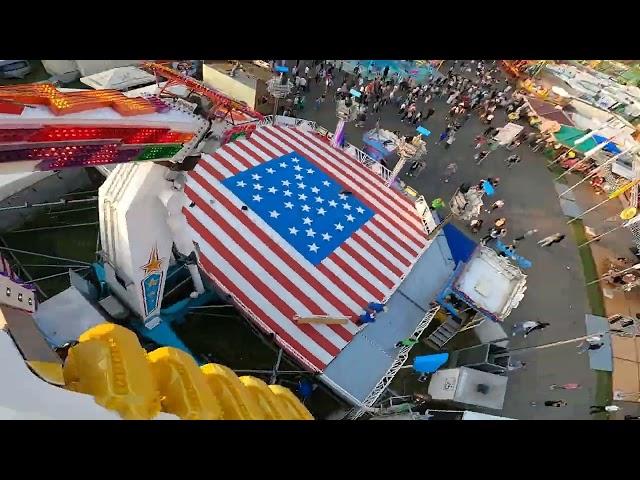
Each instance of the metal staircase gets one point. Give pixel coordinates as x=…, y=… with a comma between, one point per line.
x=444, y=333
x=450, y=328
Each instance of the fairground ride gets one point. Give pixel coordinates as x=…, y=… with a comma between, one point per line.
x=209, y=202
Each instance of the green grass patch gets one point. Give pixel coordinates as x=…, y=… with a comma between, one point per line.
x=604, y=392
x=594, y=292
x=604, y=385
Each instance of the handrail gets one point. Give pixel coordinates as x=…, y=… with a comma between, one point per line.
x=350, y=149
x=403, y=355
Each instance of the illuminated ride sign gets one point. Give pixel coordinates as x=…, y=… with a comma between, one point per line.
x=62, y=103
x=52, y=147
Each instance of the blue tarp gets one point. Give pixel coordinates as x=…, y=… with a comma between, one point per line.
x=429, y=363
x=461, y=246
x=611, y=147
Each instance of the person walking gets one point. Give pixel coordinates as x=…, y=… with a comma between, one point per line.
x=480, y=156
x=527, y=327
x=496, y=205
x=593, y=342
x=416, y=167
x=450, y=139
x=430, y=112
x=526, y=234
x=407, y=342
x=475, y=225
x=451, y=169
x=603, y=409
x=488, y=131
x=500, y=222
x=480, y=140
x=551, y=403
x=551, y=239
x=443, y=136
x=515, y=365
x=493, y=234
x=512, y=160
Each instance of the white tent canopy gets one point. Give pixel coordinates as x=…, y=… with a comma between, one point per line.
x=120, y=78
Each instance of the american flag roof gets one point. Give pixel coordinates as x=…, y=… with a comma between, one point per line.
x=321, y=235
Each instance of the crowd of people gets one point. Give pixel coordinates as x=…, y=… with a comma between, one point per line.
x=466, y=89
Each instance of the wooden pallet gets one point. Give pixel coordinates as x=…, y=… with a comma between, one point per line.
x=322, y=319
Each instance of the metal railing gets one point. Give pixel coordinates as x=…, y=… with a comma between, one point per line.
x=281, y=120
x=351, y=150
x=403, y=355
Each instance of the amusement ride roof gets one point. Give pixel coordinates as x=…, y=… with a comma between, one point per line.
x=288, y=225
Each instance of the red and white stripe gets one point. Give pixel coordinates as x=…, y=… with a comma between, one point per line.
x=249, y=259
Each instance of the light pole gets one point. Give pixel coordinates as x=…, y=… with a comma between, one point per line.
x=561, y=342
x=346, y=111
x=279, y=87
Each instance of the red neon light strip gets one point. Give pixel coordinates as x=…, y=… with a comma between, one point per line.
x=127, y=136
x=62, y=103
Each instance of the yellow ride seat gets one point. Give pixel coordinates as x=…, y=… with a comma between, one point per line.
x=183, y=388
x=236, y=401
x=286, y=397
x=265, y=398
x=109, y=364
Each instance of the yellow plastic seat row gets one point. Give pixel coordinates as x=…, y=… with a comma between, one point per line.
x=109, y=364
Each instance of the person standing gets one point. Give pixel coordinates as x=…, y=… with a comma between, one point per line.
x=385, y=72
x=527, y=327
x=496, y=205
x=604, y=409
x=551, y=239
